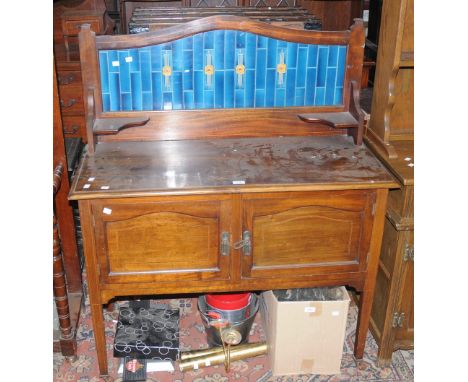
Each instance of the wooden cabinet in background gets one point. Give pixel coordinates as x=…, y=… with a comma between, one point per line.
x=392, y=116
x=392, y=318
x=68, y=18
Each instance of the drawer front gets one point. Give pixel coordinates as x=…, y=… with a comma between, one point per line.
x=161, y=240
x=72, y=78
x=74, y=126
x=307, y=233
x=71, y=100
x=72, y=27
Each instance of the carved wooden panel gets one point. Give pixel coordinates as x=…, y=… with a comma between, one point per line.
x=154, y=241
x=307, y=235
x=161, y=241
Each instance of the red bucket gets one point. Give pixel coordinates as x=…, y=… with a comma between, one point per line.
x=234, y=307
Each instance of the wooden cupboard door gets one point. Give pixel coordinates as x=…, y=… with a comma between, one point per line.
x=310, y=233
x=159, y=239
x=404, y=333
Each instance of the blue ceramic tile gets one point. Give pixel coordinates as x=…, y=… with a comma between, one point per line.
x=315, y=74
x=104, y=72
x=209, y=79
x=208, y=40
x=177, y=91
x=209, y=99
x=291, y=55
x=262, y=42
x=282, y=44
x=271, y=53
x=113, y=61
x=105, y=102
x=188, y=100
x=239, y=98
x=177, y=55
x=279, y=97
x=341, y=66
x=322, y=66
x=319, y=96
x=126, y=102
x=137, y=100
x=332, y=55
x=156, y=79
x=198, y=52
x=338, y=96
x=312, y=57
x=229, y=49
x=167, y=101
x=219, y=89
x=188, y=43
x=219, y=50
x=270, y=88
x=311, y=80
x=229, y=88
x=188, y=80
x=188, y=60
x=301, y=67
x=330, y=88
x=156, y=58
x=124, y=70
x=259, y=98
x=198, y=78
x=300, y=97
x=240, y=40
x=114, y=89
x=147, y=100
x=290, y=87
x=261, y=69
x=145, y=63
x=250, y=51
x=135, y=55
x=249, y=88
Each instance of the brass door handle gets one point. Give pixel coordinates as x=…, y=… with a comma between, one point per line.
x=245, y=244
x=225, y=247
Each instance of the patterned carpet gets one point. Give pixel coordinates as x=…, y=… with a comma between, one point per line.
x=192, y=336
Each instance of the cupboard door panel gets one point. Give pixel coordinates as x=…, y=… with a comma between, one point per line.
x=161, y=239
x=312, y=233
x=306, y=235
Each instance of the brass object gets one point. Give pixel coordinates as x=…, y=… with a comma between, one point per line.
x=231, y=336
x=225, y=244
x=218, y=357
x=245, y=243
x=199, y=353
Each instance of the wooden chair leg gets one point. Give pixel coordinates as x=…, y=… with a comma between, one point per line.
x=67, y=333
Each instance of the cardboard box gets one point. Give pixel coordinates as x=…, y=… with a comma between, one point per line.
x=305, y=337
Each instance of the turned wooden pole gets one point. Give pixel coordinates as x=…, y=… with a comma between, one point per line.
x=60, y=287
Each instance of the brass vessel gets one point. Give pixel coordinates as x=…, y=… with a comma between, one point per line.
x=215, y=356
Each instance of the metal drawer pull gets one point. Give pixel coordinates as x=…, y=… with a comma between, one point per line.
x=225, y=244
x=71, y=130
x=66, y=80
x=245, y=244
x=70, y=103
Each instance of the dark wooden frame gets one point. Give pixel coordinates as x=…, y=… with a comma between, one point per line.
x=236, y=122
